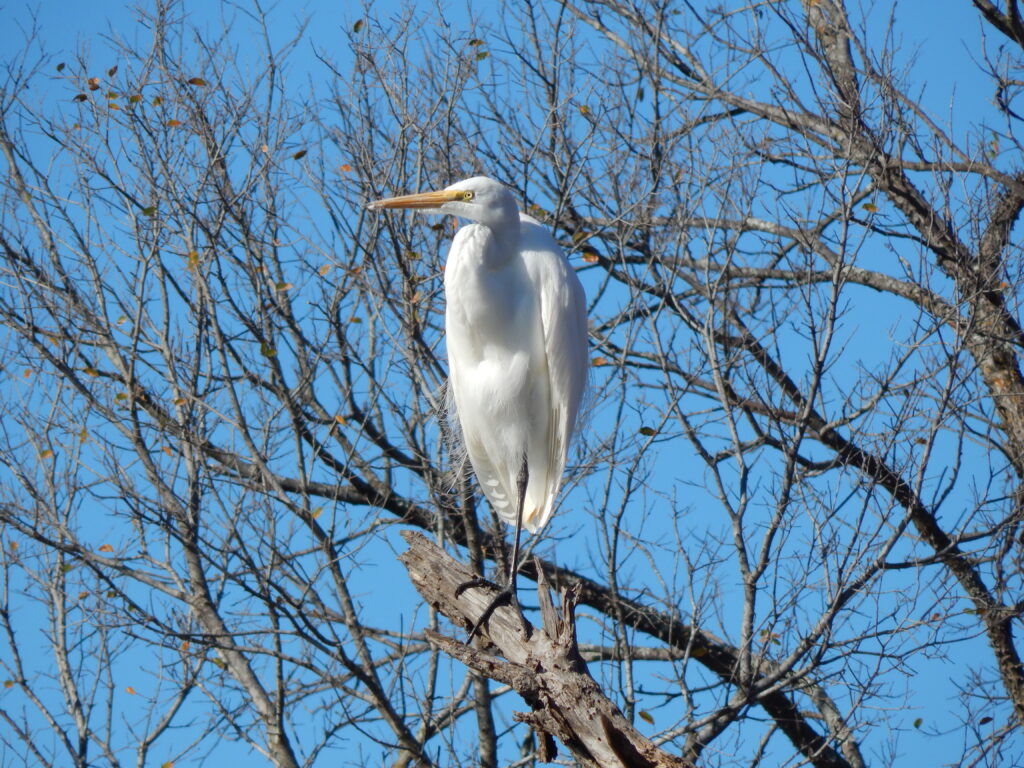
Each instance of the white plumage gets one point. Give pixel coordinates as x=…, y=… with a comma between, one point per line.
x=516, y=333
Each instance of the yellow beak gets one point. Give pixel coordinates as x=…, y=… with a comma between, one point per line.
x=419, y=200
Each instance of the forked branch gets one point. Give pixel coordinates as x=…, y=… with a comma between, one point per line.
x=544, y=667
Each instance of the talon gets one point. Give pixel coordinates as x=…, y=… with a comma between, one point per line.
x=479, y=581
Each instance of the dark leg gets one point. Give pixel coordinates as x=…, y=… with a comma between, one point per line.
x=509, y=593
x=513, y=570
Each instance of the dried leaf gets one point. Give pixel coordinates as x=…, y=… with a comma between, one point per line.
x=157, y=101
x=135, y=98
x=149, y=210
x=93, y=83
x=130, y=690
x=597, y=362
x=358, y=25
x=324, y=270
x=317, y=512
x=106, y=548
x=584, y=110
x=168, y=451
x=646, y=716
x=46, y=453
x=196, y=81
x=648, y=431
x=112, y=71
x=283, y=286
x=870, y=207
x=590, y=256
x=482, y=55
x=345, y=168
x=267, y=351
x=476, y=42
x=917, y=722
x=91, y=371
x=80, y=97
x=8, y=683
x=60, y=67
x=984, y=720
x=172, y=123
x=299, y=155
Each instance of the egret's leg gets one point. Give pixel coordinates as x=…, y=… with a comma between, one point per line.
x=509, y=593
x=521, y=481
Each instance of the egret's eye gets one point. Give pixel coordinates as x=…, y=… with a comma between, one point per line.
x=467, y=195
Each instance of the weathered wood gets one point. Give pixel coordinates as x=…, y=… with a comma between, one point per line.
x=544, y=667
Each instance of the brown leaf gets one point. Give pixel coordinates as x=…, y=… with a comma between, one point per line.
x=93, y=83
x=106, y=548
x=196, y=81
x=112, y=71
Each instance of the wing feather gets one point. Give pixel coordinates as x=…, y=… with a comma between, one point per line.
x=563, y=315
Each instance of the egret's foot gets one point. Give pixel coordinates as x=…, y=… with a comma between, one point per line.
x=507, y=596
x=479, y=581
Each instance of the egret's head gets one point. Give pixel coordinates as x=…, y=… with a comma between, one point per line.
x=479, y=199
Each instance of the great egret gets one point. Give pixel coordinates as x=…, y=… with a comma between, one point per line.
x=516, y=332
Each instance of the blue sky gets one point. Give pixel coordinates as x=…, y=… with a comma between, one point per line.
x=945, y=61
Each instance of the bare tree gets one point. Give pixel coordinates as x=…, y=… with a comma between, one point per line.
x=798, y=486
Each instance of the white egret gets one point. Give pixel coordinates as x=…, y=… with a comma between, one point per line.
x=516, y=333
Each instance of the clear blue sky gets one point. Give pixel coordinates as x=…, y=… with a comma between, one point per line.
x=945, y=60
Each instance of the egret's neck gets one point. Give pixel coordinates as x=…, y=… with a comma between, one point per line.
x=482, y=247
